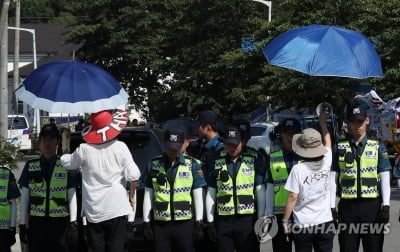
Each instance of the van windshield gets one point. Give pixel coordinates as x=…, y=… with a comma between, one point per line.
x=257, y=131
x=17, y=123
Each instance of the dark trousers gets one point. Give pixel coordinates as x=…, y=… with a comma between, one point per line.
x=171, y=236
x=4, y=247
x=206, y=245
x=319, y=238
x=48, y=234
x=236, y=233
x=356, y=211
x=281, y=242
x=107, y=236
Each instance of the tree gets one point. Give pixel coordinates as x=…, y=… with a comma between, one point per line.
x=211, y=70
x=178, y=57
x=380, y=21
x=173, y=50
x=9, y=155
x=44, y=11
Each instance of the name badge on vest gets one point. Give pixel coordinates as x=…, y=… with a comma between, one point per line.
x=370, y=154
x=2, y=188
x=247, y=172
x=184, y=175
x=59, y=175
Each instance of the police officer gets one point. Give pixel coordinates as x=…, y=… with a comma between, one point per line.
x=279, y=164
x=8, y=208
x=208, y=132
x=396, y=173
x=173, y=183
x=48, y=197
x=364, y=171
x=236, y=188
x=210, y=148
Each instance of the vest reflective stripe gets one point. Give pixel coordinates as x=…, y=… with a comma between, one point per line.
x=279, y=173
x=176, y=199
x=56, y=200
x=5, y=206
x=369, y=178
x=236, y=196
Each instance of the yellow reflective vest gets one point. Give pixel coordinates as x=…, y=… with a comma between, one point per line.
x=172, y=202
x=5, y=206
x=359, y=179
x=52, y=196
x=279, y=173
x=235, y=196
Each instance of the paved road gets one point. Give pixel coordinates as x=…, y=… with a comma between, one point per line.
x=392, y=240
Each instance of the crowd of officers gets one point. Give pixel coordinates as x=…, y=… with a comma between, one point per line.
x=210, y=202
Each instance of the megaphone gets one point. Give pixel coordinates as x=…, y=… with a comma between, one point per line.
x=324, y=106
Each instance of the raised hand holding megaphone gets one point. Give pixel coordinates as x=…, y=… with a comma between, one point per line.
x=324, y=106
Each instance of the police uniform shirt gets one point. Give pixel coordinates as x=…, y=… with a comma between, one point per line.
x=47, y=167
x=233, y=170
x=383, y=159
x=215, y=143
x=290, y=158
x=214, y=146
x=171, y=169
x=13, y=191
x=396, y=168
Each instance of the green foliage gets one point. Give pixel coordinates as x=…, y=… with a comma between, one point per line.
x=9, y=155
x=177, y=57
x=210, y=69
x=44, y=11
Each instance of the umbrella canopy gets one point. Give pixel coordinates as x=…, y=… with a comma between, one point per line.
x=71, y=87
x=321, y=50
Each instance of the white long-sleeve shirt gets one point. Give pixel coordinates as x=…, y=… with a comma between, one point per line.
x=105, y=170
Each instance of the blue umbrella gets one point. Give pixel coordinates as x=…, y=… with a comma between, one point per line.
x=71, y=87
x=321, y=50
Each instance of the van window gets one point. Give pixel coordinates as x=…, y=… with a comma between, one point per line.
x=18, y=132
x=257, y=131
x=17, y=123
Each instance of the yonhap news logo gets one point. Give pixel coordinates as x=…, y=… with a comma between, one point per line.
x=331, y=227
x=266, y=228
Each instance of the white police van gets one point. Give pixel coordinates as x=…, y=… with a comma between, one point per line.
x=19, y=132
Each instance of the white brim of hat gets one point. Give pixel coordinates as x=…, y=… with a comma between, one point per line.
x=307, y=152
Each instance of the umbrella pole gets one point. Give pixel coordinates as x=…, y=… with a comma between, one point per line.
x=37, y=116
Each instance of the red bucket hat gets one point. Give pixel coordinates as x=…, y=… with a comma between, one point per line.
x=104, y=126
